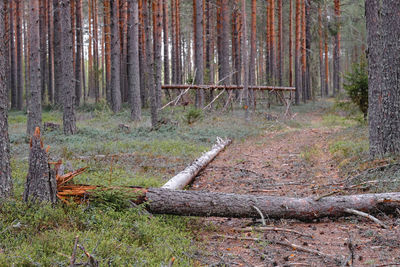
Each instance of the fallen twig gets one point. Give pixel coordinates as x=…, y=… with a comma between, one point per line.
x=262, y=215
x=366, y=215
x=72, y=261
x=267, y=228
x=327, y=195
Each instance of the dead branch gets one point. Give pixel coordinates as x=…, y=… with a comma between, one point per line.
x=366, y=215
x=267, y=228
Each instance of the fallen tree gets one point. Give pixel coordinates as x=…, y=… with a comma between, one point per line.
x=199, y=203
x=186, y=176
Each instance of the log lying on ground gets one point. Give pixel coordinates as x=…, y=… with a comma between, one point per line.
x=198, y=203
x=226, y=87
x=186, y=176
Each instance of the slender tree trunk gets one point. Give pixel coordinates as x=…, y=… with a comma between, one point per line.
x=308, y=49
x=43, y=48
x=107, y=48
x=245, y=62
x=290, y=43
x=165, y=39
x=96, y=66
x=78, y=56
x=336, y=51
x=6, y=187
x=297, y=65
x=133, y=60
x=383, y=28
x=199, y=78
x=19, y=46
x=115, y=57
x=321, y=56
x=150, y=67
x=68, y=83
x=34, y=104
x=13, y=69
x=173, y=38
x=272, y=41
x=57, y=52
x=223, y=34
x=253, y=52
x=280, y=43
x=303, y=51
x=50, y=48
x=157, y=29
x=326, y=59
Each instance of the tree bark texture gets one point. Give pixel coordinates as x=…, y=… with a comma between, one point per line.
x=199, y=77
x=41, y=182
x=200, y=203
x=34, y=103
x=245, y=62
x=115, y=57
x=12, y=68
x=43, y=48
x=68, y=83
x=185, y=177
x=383, y=29
x=79, y=52
x=19, y=46
x=133, y=63
x=6, y=186
x=57, y=52
x=223, y=40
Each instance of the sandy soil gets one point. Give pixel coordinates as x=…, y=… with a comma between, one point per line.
x=293, y=162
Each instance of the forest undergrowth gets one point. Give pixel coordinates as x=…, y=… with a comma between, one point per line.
x=135, y=154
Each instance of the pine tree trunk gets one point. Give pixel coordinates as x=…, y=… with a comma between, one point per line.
x=245, y=61
x=166, y=46
x=50, y=48
x=290, y=43
x=13, y=70
x=19, y=46
x=308, y=49
x=107, y=48
x=6, y=186
x=223, y=52
x=68, y=83
x=157, y=29
x=253, y=51
x=133, y=63
x=34, y=104
x=321, y=57
x=115, y=57
x=336, y=51
x=78, y=56
x=280, y=43
x=383, y=28
x=150, y=64
x=96, y=66
x=326, y=58
x=297, y=65
x=41, y=185
x=43, y=48
x=199, y=78
x=57, y=53
x=303, y=51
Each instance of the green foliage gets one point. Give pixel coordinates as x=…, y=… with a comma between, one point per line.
x=193, y=115
x=117, y=236
x=356, y=86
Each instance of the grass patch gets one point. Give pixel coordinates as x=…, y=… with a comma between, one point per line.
x=311, y=154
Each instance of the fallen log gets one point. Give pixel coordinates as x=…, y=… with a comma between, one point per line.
x=186, y=176
x=226, y=87
x=198, y=203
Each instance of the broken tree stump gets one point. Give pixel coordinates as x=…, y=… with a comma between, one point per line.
x=41, y=182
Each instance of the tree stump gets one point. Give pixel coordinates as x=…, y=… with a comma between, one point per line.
x=41, y=182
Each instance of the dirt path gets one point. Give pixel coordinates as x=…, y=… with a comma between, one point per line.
x=294, y=162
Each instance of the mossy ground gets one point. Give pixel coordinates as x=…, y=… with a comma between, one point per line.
x=116, y=234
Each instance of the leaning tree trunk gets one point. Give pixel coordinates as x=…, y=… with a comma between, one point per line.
x=383, y=27
x=40, y=183
x=68, y=83
x=34, y=103
x=200, y=203
x=5, y=170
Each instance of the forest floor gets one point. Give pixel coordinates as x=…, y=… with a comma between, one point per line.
x=302, y=161
x=317, y=151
